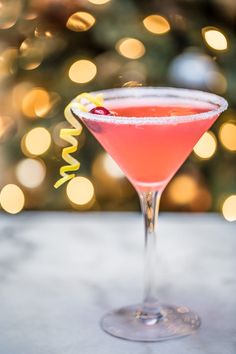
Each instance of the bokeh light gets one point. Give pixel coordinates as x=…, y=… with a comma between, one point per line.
x=44, y=31
x=132, y=84
x=111, y=167
x=227, y=136
x=133, y=72
x=30, y=172
x=206, y=146
x=37, y=141
x=98, y=2
x=30, y=15
x=36, y=103
x=194, y=69
x=156, y=24
x=183, y=189
x=229, y=208
x=130, y=48
x=52, y=50
x=12, y=199
x=8, y=58
x=9, y=13
x=215, y=38
x=31, y=54
x=82, y=71
x=8, y=128
x=80, y=191
x=80, y=21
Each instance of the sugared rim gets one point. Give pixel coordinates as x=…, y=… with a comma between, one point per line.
x=196, y=96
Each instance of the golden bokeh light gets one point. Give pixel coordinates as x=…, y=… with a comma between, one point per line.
x=19, y=91
x=133, y=73
x=9, y=13
x=31, y=54
x=8, y=127
x=111, y=167
x=29, y=15
x=37, y=141
x=8, y=58
x=36, y=103
x=132, y=84
x=80, y=191
x=44, y=31
x=12, y=199
x=30, y=172
x=229, y=208
x=215, y=38
x=206, y=146
x=130, y=48
x=80, y=21
x=99, y=2
x=227, y=136
x=183, y=189
x=156, y=24
x=82, y=71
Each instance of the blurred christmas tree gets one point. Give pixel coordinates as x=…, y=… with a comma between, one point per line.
x=51, y=50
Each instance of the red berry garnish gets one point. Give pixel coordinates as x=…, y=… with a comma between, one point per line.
x=100, y=110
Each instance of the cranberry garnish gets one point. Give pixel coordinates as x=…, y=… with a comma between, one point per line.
x=100, y=110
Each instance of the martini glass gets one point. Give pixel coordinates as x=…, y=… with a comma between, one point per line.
x=152, y=135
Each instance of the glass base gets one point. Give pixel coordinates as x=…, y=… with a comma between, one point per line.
x=168, y=322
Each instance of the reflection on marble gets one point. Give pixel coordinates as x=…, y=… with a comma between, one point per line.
x=60, y=272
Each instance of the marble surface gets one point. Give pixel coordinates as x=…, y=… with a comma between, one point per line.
x=60, y=272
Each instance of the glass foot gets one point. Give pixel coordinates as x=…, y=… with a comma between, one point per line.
x=133, y=324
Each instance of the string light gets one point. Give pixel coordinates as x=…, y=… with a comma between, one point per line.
x=183, y=189
x=130, y=48
x=36, y=103
x=82, y=71
x=80, y=21
x=206, y=146
x=30, y=172
x=12, y=199
x=37, y=141
x=98, y=2
x=229, y=208
x=111, y=167
x=227, y=136
x=80, y=191
x=215, y=38
x=156, y=24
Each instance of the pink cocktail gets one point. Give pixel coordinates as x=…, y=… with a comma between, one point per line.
x=151, y=135
x=149, y=154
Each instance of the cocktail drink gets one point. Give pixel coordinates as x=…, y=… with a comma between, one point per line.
x=150, y=136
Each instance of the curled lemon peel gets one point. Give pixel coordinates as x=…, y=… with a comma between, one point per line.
x=69, y=136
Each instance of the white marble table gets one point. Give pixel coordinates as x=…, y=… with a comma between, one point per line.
x=60, y=272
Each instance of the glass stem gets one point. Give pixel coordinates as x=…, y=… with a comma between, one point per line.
x=150, y=207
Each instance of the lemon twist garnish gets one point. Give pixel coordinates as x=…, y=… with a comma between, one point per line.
x=69, y=136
